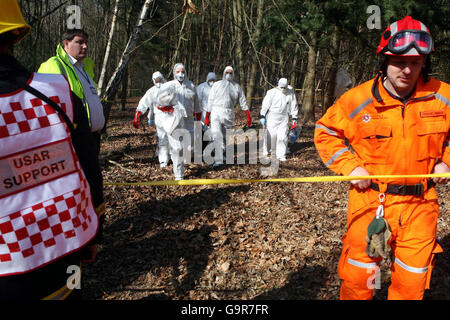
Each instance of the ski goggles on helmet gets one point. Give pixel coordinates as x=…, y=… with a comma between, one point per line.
x=405, y=40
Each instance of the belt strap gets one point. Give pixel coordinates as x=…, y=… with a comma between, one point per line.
x=166, y=109
x=404, y=189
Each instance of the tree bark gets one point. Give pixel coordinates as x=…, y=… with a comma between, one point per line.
x=219, y=50
x=254, y=65
x=108, y=48
x=293, y=80
x=308, y=87
x=237, y=18
x=332, y=66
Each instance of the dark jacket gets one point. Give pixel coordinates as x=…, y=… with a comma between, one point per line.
x=43, y=281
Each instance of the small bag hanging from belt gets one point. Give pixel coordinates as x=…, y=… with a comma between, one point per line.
x=378, y=233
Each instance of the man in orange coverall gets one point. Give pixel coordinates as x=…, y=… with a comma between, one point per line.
x=395, y=124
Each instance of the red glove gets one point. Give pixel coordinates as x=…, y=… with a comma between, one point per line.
x=137, y=115
x=294, y=125
x=198, y=116
x=249, y=118
x=207, y=122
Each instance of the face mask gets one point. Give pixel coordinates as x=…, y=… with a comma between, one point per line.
x=228, y=76
x=158, y=84
x=180, y=76
x=210, y=83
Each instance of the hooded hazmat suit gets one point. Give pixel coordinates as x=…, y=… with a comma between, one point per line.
x=278, y=104
x=224, y=95
x=149, y=102
x=169, y=116
x=186, y=96
x=203, y=90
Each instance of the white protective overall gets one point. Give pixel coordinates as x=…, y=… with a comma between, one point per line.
x=203, y=90
x=149, y=102
x=186, y=96
x=224, y=95
x=167, y=121
x=277, y=105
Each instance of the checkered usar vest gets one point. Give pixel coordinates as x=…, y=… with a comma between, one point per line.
x=46, y=209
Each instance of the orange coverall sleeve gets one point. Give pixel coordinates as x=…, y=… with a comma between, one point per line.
x=444, y=97
x=329, y=138
x=446, y=154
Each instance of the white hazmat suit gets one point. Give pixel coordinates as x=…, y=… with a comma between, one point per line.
x=277, y=105
x=203, y=90
x=224, y=95
x=186, y=96
x=149, y=103
x=169, y=116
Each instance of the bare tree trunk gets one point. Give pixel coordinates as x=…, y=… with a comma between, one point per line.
x=254, y=66
x=293, y=80
x=308, y=87
x=108, y=48
x=123, y=94
x=332, y=66
x=180, y=37
x=114, y=82
x=237, y=19
x=219, y=50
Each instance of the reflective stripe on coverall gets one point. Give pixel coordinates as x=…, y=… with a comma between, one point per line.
x=387, y=137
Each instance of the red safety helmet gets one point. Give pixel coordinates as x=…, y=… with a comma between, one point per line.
x=406, y=37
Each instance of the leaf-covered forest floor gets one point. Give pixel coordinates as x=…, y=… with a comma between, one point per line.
x=240, y=241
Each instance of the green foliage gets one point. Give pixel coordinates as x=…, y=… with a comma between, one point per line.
x=208, y=41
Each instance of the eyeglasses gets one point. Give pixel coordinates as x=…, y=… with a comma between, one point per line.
x=406, y=39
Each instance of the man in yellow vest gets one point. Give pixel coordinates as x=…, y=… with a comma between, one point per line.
x=71, y=61
x=48, y=224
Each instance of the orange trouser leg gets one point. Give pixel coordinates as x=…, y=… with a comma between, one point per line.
x=413, y=222
x=356, y=269
x=414, y=250
x=359, y=287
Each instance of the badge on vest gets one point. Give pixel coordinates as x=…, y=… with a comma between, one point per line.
x=367, y=117
x=432, y=113
x=93, y=90
x=35, y=166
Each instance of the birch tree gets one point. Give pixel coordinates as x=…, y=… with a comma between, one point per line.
x=114, y=82
x=108, y=48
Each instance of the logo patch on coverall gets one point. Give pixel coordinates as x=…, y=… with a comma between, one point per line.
x=366, y=117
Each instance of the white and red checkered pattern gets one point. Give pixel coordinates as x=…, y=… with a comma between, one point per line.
x=48, y=220
x=17, y=118
x=40, y=227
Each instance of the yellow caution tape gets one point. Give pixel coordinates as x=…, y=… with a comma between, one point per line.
x=255, y=98
x=194, y=182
